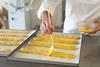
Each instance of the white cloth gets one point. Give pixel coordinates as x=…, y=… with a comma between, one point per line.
x=76, y=11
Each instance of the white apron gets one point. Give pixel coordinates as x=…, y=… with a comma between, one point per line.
x=79, y=10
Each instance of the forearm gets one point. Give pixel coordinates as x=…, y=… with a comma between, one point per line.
x=45, y=15
x=48, y=5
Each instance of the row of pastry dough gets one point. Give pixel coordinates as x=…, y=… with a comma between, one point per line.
x=11, y=35
x=56, y=40
x=56, y=45
x=9, y=43
x=19, y=39
x=45, y=52
x=61, y=36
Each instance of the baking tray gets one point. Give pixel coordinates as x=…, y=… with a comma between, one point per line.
x=26, y=57
x=13, y=48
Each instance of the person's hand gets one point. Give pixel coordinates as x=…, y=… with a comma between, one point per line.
x=1, y=23
x=90, y=26
x=46, y=25
x=98, y=28
x=97, y=22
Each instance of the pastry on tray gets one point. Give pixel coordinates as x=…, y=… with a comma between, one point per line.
x=66, y=41
x=11, y=35
x=56, y=45
x=14, y=31
x=46, y=52
x=61, y=36
x=19, y=39
x=86, y=30
x=11, y=43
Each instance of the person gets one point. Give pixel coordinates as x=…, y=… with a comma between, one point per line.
x=1, y=20
x=1, y=25
x=77, y=12
x=3, y=17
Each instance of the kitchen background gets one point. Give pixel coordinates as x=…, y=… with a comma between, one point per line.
x=34, y=21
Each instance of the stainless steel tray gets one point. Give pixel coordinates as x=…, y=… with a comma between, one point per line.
x=26, y=57
x=13, y=48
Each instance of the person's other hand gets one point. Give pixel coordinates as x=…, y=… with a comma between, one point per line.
x=98, y=27
x=1, y=25
x=97, y=22
x=46, y=25
x=92, y=26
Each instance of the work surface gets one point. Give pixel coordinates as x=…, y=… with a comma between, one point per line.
x=90, y=56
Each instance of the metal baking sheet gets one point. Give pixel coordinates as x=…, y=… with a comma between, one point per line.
x=27, y=57
x=13, y=48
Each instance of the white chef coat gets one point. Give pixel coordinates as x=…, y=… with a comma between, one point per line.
x=76, y=11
